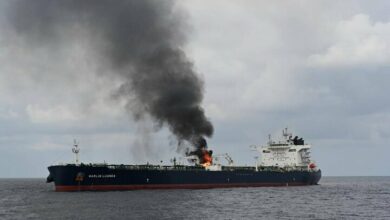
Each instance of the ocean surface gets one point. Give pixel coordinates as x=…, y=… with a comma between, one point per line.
x=334, y=198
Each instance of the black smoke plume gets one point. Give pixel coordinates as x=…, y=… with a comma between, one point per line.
x=141, y=41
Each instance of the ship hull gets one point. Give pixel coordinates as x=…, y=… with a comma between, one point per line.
x=103, y=178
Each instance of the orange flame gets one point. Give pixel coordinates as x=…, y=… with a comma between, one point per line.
x=206, y=159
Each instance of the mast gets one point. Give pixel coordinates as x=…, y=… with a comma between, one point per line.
x=76, y=150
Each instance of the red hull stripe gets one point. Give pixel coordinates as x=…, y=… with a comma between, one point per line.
x=167, y=186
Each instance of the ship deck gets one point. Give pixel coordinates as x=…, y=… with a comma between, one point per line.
x=185, y=167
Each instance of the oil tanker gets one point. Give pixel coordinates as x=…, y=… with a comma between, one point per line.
x=280, y=163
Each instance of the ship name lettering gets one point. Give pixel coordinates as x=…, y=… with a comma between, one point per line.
x=101, y=175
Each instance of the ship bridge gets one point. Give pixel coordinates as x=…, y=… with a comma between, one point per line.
x=287, y=152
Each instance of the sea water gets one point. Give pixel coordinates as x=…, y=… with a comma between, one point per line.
x=334, y=198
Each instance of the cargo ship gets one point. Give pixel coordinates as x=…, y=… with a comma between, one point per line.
x=280, y=163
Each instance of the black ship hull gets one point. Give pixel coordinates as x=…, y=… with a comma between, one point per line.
x=117, y=177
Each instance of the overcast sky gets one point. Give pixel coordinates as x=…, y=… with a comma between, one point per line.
x=320, y=68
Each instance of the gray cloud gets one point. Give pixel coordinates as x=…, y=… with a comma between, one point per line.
x=257, y=63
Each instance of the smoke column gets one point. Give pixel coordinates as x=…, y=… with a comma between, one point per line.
x=141, y=40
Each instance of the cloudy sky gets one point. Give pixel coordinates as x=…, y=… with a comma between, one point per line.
x=320, y=68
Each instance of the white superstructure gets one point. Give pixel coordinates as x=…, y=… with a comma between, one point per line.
x=288, y=152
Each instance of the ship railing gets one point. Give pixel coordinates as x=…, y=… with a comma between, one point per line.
x=154, y=167
x=237, y=168
x=283, y=169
